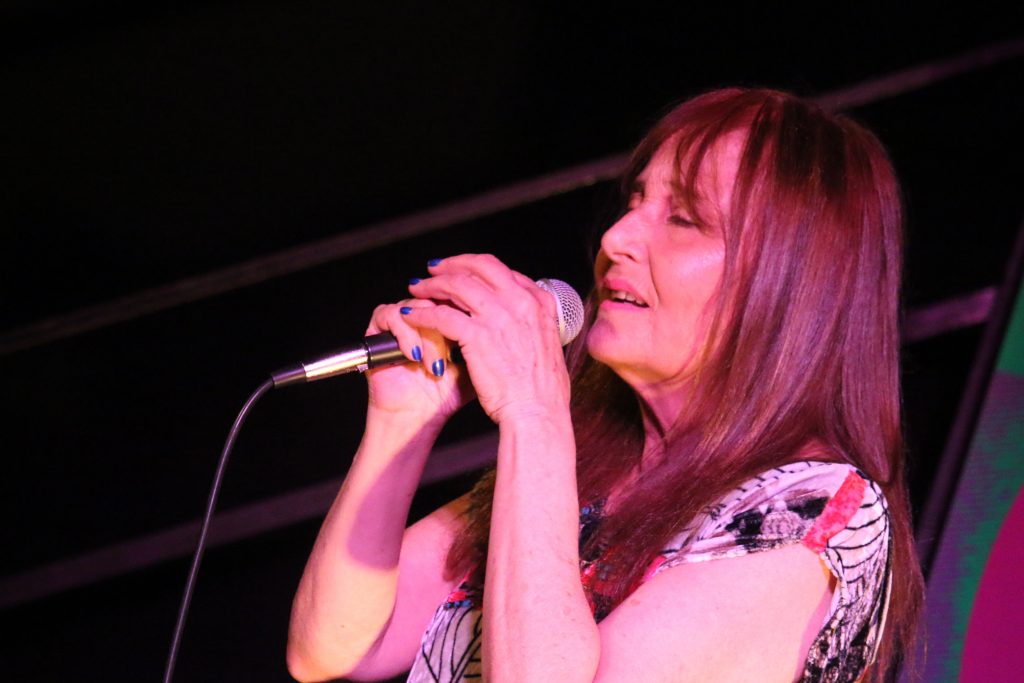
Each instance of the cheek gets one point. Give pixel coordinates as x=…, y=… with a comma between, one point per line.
x=690, y=309
x=694, y=283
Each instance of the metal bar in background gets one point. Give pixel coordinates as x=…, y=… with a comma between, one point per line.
x=309, y=255
x=952, y=314
x=310, y=502
x=356, y=241
x=947, y=475
x=916, y=77
x=239, y=523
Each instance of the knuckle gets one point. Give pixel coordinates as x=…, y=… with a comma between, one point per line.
x=525, y=305
x=547, y=303
x=468, y=280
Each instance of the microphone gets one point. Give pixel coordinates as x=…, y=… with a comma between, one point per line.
x=382, y=349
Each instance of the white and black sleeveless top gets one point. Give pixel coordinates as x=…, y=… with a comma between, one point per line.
x=830, y=508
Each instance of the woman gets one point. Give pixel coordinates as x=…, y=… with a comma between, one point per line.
x=710, y=489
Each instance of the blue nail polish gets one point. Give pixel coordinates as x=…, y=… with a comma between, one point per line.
x=414, y=281
x=416, y=353
x=433, y=262
x=438, y=367
x=405, y=310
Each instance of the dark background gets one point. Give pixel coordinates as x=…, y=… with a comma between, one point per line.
x=147, y=142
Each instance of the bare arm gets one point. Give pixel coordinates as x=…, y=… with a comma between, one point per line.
x=370, y=586
x=533, y=599
x=537, y=623
x=749, y=618
x=345, y=621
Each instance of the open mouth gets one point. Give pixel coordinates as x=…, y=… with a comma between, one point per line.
x=626, y=298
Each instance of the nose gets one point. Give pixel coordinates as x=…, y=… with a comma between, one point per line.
x=624, y=240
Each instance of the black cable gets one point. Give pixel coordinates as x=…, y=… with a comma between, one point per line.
x=201, y=544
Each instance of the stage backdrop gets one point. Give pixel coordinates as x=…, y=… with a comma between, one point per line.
x=975, y=603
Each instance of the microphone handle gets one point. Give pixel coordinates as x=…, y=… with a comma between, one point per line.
x=382, y=349
x=371, y=352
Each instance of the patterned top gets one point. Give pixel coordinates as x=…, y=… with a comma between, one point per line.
x=831, y=508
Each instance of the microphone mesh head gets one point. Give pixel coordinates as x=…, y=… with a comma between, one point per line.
x=570, y=308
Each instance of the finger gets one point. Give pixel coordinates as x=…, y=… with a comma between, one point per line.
x=490, y=270
x=487, y=267
x=392, y=318
x=433, y=351
x=544, y=297
x=525, y=306
x=447, y=322
x=436, y=352
x=522, y=280
x=461, y=289
x=548, y=300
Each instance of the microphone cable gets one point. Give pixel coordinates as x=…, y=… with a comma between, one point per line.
x=379, y=349
x=211, y=503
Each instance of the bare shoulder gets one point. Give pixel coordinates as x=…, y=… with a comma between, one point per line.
x=751, y=617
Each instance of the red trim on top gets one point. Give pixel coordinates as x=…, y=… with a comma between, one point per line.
x=838, y=512
x=652, y=568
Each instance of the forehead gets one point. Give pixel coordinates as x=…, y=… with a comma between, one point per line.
x=716, y=174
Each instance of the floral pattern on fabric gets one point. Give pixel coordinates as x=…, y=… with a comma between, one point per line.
x=831, y=508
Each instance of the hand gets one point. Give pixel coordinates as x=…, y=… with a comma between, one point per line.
x=506, y=328
x=429, y=389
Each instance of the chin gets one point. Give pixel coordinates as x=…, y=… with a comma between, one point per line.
x=606, y=347
x=630, y=362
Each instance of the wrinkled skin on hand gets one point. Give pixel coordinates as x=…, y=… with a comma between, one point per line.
x=505, y=327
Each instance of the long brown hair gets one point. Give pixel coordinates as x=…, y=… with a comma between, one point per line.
x=803, y=348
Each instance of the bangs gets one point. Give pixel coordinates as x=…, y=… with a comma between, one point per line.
x=693, y=130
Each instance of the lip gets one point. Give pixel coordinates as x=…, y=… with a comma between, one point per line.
x=611, y=305
x=619, y=284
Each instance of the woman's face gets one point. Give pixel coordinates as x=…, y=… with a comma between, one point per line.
x=658, y=275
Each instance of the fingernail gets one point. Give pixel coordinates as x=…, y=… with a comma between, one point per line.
x=416, y=353
x=438, y=367
x=414, y=281
x=433, y=262
x=405, y=310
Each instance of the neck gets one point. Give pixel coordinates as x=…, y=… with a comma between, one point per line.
x=661, y=405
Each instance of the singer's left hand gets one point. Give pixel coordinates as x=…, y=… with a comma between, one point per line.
x=506, y=327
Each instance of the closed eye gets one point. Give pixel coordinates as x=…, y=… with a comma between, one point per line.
x=681, y=221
